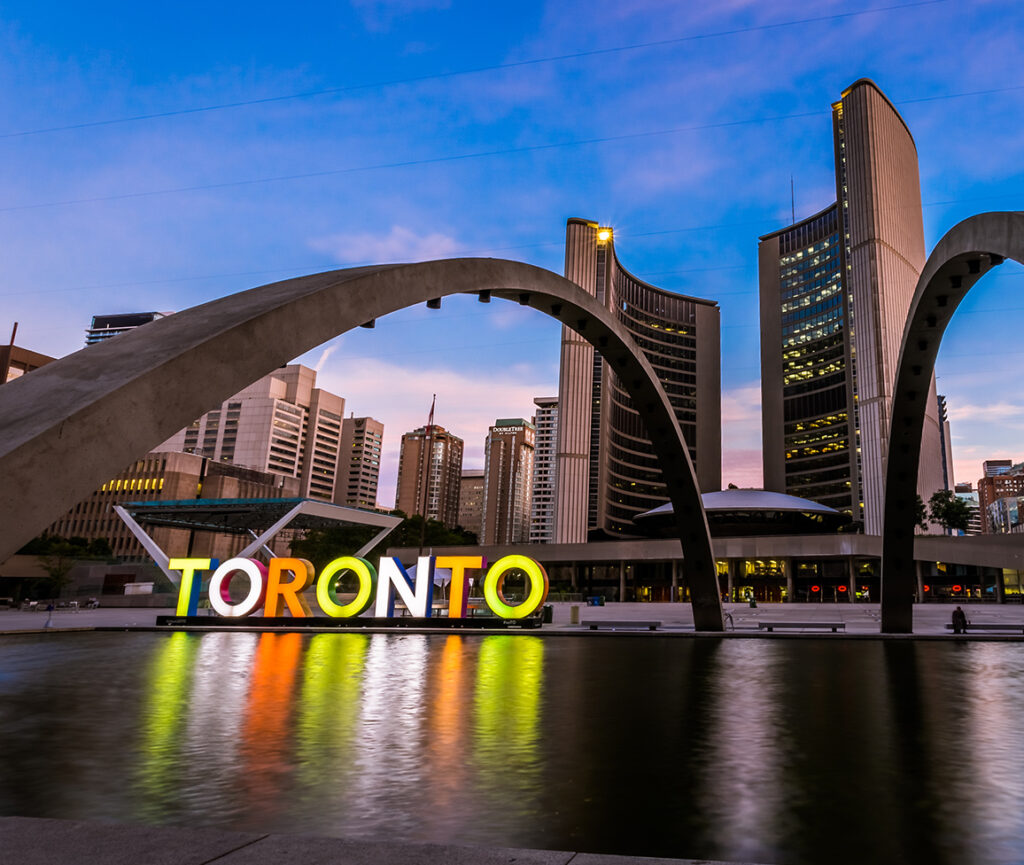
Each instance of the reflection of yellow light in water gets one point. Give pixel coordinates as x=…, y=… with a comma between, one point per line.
x=332, y=685
x=163, y=727
x=447, y=723
x=509, y=678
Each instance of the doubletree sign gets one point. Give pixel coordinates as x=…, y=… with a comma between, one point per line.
x=280, y=584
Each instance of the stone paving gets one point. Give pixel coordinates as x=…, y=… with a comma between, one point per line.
x=32, y=841
x=860, y=619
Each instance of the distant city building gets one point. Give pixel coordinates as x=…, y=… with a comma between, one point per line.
x=508, y=481
x=836, y=289
x=1005, y=515
x=171, y=477
x=606, y=470
x=105, y=326
x=542, y=506
x=359, y=462
x=1003, y=480
x=966, y=493
x=991, y=468
x=430, y=487
x=282, y=424
x=15, y=362
x=471, y=501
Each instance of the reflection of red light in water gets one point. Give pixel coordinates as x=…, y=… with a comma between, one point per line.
x=841, y=588
x=958, y=588
x=815, y=588
x=266, y=732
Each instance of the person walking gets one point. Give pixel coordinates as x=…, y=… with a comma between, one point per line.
x=959, y=621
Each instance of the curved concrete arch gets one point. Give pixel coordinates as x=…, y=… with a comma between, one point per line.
x=965, y=254
x=70, y=426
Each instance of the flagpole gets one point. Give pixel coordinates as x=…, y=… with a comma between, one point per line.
x=427, y=456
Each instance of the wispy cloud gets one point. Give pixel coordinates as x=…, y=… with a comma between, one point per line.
x=401, y=244
x=399, y=395
x=378, y=15
x=741, y=435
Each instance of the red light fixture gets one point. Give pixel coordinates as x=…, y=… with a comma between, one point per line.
x=958, y=588
x=841, y=588
x=927, y=588
x=815, y=588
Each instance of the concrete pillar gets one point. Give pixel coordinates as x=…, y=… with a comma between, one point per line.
x=1000, y=587
x=918, y=568
x=851, y=567
x=675, y=579
x=575, y=578
x=787, y=567
x=622, y=580
x=733, y=564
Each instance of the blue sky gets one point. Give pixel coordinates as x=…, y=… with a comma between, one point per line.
x=431, y=128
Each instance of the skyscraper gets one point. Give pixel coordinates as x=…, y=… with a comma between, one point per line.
x=471, y=501
x=836, y=289
x=542, y=504
x=359, y=462
x=430, y=486
x=606, y=470
x=105, y=326
x=282, y=424
x=508, y=481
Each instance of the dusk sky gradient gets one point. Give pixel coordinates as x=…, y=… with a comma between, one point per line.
x=401, y=130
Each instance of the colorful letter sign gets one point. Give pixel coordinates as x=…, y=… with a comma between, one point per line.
x=282, y=583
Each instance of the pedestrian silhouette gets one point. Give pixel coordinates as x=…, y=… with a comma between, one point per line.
x=959, y=621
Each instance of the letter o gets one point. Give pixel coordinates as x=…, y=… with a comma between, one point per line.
x=220, y=597
x=327, y=597
x=536, y=575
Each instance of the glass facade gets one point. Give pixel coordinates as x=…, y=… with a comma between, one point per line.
x=819, y=435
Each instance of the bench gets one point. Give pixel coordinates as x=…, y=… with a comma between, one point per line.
x=616, y=625
x=771, y=626
x=991, y=626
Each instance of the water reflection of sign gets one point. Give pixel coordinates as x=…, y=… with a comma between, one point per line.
x=280, y=584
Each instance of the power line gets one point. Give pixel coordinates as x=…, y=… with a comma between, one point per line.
x=436, y=160
x=437, y=76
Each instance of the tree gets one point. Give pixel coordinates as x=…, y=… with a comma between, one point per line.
x=58, y=555
x=920, y=515
x=949, y=511
x=321, y=546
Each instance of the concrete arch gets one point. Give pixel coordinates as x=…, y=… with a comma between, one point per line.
x=70, y=426
x=966, y=253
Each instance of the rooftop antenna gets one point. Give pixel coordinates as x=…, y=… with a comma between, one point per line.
x=792, y=198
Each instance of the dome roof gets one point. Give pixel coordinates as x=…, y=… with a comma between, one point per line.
x=750, y=511
x=749, y=500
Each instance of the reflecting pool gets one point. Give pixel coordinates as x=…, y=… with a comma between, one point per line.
x=752, y=750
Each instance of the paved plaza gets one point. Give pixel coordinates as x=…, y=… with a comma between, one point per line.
x=930, y=620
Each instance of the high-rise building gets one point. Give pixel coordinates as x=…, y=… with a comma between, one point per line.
x=430, y=487
x=542, y=506
x=1003, y=480
x=836, y=290
x=471, y=501
x=508, y=481
x=606, y=470
x=105, y=326
x=359, y=464
x=282, y=424
x=967, y=494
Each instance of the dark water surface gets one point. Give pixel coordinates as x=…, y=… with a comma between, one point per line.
x=785, y=751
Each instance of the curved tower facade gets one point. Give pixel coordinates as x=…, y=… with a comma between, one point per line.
x=835, y=293
x=606, y=470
